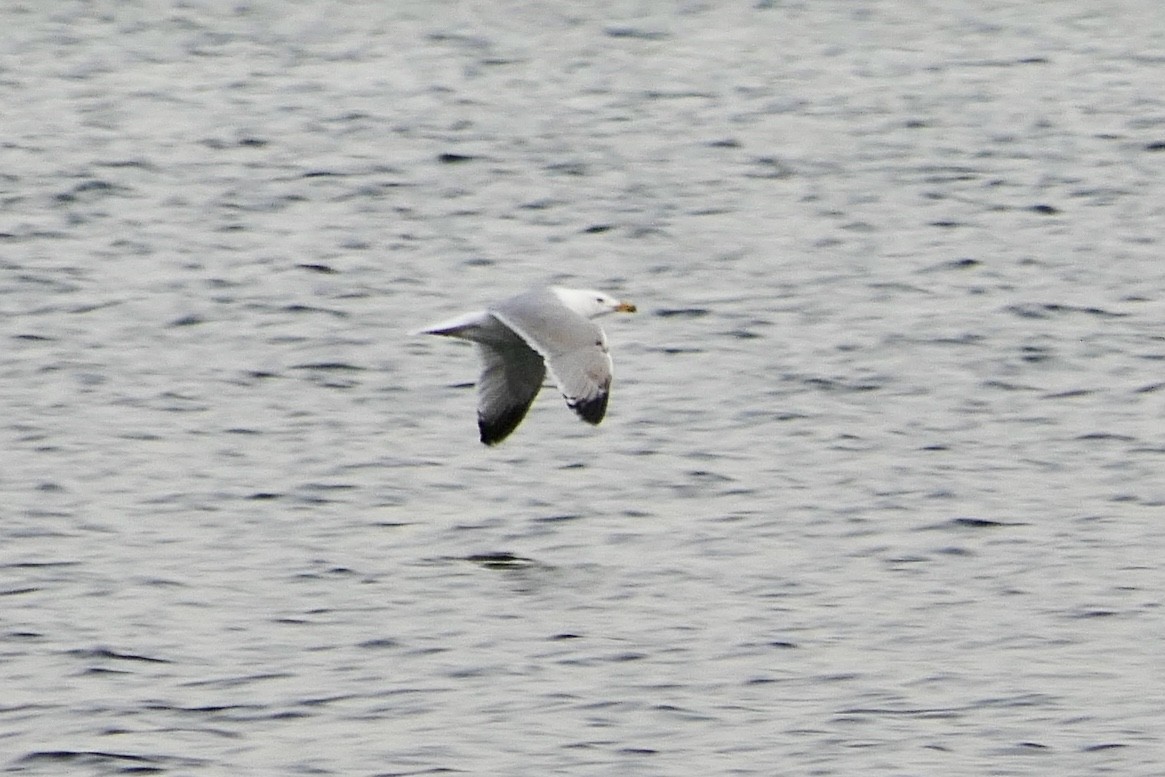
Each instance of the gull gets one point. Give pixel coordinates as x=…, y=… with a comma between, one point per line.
x=521, y=338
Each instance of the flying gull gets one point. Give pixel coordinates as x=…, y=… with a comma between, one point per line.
x=523, y=337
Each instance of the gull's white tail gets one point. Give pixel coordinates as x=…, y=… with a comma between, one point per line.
x=463, y=326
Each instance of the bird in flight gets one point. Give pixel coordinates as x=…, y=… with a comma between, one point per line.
x=521, y=338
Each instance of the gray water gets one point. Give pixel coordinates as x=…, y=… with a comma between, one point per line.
x=880, y=490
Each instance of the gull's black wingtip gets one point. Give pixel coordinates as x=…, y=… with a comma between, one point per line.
x=494, y=430
x=591, y=410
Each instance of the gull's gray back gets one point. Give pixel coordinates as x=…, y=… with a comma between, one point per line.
x=551, y=327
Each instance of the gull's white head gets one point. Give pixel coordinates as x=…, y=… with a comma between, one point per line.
x=589, y=303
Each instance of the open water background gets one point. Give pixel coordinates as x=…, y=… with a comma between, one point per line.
x=881, y=486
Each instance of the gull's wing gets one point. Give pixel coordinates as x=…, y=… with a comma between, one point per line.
x=584, y=378
x=574, y=348
x=511, y=375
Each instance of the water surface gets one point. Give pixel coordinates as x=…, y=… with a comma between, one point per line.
x=879, y=490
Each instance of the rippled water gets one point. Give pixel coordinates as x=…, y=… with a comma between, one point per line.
x=880, y=489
